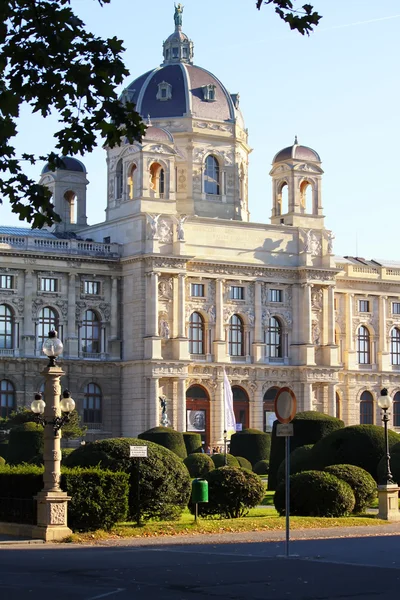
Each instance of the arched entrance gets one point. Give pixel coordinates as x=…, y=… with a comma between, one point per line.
x=241, y=406
x=269, y=408
x=198, y=412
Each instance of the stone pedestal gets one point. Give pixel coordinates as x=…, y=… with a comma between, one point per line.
x=180, y=348
x=258, y=352
x=152, y=347
x=388, y=497
x=52, y=516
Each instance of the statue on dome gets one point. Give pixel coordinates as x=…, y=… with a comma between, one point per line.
x=178, y=14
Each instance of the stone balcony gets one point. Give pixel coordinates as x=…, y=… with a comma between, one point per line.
x=30, y=243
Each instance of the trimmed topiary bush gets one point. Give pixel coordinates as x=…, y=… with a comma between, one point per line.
x=26, y=443
x=300, y=460
x=261, y=467
x=199, y=464
x=244, y=463
x=360, y=445
x=232, y=492
x=2, y=461
x=361, y=482
x=394, y=467
x=309, y=427
x=4, y=449
x=316, y=494
x=192, y=442
x=253, y=444
x=164, y=480
x=219, y=460
x=167, y=437
x=66, y=452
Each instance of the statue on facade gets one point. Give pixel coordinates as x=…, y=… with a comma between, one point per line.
x=330, y=237
x=179, y=228
x=153, y=226
x=164, y=417
x=164, y=329
x=178, y=14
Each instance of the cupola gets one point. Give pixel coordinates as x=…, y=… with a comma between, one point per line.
x=178, y=47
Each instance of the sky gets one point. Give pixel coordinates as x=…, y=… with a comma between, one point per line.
x=337, y=90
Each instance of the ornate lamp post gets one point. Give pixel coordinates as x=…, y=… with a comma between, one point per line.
x=52, y=501
x=387, y=489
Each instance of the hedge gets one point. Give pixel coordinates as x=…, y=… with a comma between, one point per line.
x=316, y=494
x=309, y=427
x=4, y=449
x=219, y=460
x=192, y=442
x=198, y=464
x=232, y=492
x=361, y=482
x=360, y=445
x=261, y=467
x=244, y=463
x=300, y=460
x=25, y=443
x=253, y=444
x=164, y=480
x=167, y=437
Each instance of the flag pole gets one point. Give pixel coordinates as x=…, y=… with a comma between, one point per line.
x=224, y=392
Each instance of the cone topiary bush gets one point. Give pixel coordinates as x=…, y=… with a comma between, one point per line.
x=25, y=444
x=316, y=494
x=300, y=460
x=199, y=464
x=361, y=482
x=192, y=442
x=252, y=444
x=167, y=437
x=219, y=460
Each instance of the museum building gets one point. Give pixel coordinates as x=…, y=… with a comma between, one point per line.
x=177, y=284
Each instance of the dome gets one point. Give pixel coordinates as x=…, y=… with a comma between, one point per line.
x=69, y=164
x=158, y=134
x=297, y=152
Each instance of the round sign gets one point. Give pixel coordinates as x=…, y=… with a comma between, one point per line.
x=285, y=405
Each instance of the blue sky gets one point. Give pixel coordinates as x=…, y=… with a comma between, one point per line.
x=338, y=90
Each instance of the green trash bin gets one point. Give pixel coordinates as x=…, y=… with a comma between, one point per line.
x=199, y=491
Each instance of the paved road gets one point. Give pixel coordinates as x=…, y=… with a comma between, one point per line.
x=324, y=569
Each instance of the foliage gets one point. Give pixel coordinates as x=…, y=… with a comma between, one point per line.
x=167, y=437
x=73, y=429
x=361, y=482
x=231, y=492
x=4, y=449
x=360, y=445
x=99, y=498
x=301, y=20
x=198, y=464
x=300, y=460
x=192, y=442
x=164, y=479
x=316, y=494
x=309, y=427
x=66, y=452
x=18, y=417
x=244, y=463
x=2, y=461
x=219, y=460
x=261, y=467
x=26, y=442
x=253, y=444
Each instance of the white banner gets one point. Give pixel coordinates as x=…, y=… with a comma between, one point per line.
x=230, y=421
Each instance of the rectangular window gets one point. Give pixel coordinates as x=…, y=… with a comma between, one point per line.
x=363, y=305
x=236, y=292
x=48, y=284
x=6, y=282
x=197, y=290
x=275, y=296
x=92, y=287
x=396, y=308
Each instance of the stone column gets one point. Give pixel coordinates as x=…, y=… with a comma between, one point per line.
x=307, y=396
x=72, y=336
x=152, y=341
x=219, y=342
x=181, y=405
x=217, y=415
x=114, y=308
x=332, y=399
x=331, y=315
x=154, y=403
x=306, y=310
x=52, y=501
x=258, y=344
x=306, y=352
x=28, y=333
x=181, y=305
x=350, y=353
x=383, y=355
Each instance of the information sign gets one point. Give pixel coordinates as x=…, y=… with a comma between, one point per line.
x=137, y=451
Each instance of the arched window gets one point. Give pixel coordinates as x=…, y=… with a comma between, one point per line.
x=395, y=346
x=7, y=398
x=196, y=334
x=366, y=409
x=47, y=321
x=157, y=179
x=198, y=412
x=70, y=207
x=363, y=346
x=92, y=404
x=90, y=333
x=396, y=410
x=131, y=181
x=283, y=199
x=6, y=327
x=306, y=200
x=236, y=336
x=241, y=406
x=211, y=176
x=119, y=182
x=273, y=338
x=269, y=408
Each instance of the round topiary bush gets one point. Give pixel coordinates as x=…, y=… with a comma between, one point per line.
x=361, y=482
x=219, y=460
x=261, y=467
x=244, y=463
x=192, y=442
x=167, y=437
x=164, y=480
x=253, y=444
x=316, y=494
x=360, y=445
x=26, y=443
x=198, y=464
x=394, y=467
x=231, y=491
x=309, y=427
x=300, y=460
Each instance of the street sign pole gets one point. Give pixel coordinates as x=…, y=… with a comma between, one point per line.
x=287, y=494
